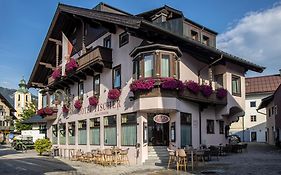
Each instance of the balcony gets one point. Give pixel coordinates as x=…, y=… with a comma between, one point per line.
x=7, y=128
x=92, y=61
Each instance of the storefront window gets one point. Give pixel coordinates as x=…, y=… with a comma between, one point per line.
x=186, y=129
x=55, y=134
x=95, y=131
x=71, y=133
x=110, y=136
x=129, y=129
x=82, y=132
x=62, y=133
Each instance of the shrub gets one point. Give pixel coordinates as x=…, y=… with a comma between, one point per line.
x=71, y=65
x=56, y=73
x=171, y=84
x=221, y=93
x=142, y=84
x=42, y=145
x=78, y=104
x=93, y=101
x=114, y=94
x=192, y=86
x=206, y=90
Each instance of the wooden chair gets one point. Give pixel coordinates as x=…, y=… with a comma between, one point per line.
x=172, y=157
x=123, y=156
x=108, y=157
x=182, y=159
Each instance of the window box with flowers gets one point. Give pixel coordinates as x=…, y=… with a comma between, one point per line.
x=45, y=111
x=114, y=94
x=72, y=65
x=56, y=73
x=221, y=93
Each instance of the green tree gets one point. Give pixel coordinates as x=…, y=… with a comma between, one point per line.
x=27, y=113
x=42, y=145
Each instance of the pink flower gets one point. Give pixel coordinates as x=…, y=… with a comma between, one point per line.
x=192, y=86
x=71, y=65
x=206, y=90
x=56, y=73
x=78, y=104
x=65, y=109
x=142, y=84
x=114, y=94
x=45, y=111
x=172, y=84
x=221, y=93
x=40, y=112
x=93, y=101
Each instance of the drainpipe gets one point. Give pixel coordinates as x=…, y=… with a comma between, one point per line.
x=200, y=134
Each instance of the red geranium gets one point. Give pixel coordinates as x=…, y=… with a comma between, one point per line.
x=71, y=65
x=40, y=112
x=192, y=86
x=56, y=73
x=142, y=84
x=78, y=104
x=114, y=94
x=93, y=101
x=221, y=93
x=45, y=111
x=65, y=109
x=206, y=90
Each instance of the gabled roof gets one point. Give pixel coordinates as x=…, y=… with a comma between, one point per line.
x=6, y=102
x=262, y=84
x=135, y=23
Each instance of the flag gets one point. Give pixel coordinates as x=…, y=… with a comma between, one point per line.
x=66, y=51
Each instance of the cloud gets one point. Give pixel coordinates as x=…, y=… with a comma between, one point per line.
x=257, y=38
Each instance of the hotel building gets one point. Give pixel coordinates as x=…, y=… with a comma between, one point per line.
x=150, y=59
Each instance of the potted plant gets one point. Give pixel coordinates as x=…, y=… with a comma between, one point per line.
x=78, y=104
x=94, y=100
x=114, y=94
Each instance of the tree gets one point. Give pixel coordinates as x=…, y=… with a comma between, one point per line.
x=42, y=145
x=27, y=113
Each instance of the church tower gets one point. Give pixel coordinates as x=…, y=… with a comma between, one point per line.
x=21, y=98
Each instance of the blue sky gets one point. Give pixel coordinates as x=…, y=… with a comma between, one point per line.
x=24, y=25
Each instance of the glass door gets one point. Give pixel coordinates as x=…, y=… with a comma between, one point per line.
x=158, y=133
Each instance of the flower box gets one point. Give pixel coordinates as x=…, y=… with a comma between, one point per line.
x=93, y=101
x=71, y=65
x=78, y=104
x=114, y=94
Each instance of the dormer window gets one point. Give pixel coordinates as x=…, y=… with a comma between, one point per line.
x=206, y=40
x=194, y=35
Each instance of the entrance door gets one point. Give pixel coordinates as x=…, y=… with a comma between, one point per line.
x=253, y=136
x=158, y=133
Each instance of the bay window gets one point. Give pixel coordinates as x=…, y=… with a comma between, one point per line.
x=110, y=129
x=129, y=129
x=95, y=131
x=82, y=132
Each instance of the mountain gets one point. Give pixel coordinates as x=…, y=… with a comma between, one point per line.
x=9, y=95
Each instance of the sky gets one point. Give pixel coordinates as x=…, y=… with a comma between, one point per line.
x=247, y=28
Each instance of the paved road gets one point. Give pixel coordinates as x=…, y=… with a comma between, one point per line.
x=13, y=163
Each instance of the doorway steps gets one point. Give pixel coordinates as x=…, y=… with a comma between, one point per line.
x=157, y=155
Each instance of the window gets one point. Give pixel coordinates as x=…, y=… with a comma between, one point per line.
x=107, y=41
x=82, y=132
x=95, y=131
x=219, y=80
x=206, y=40
x=116, y=81
x=62, y=133
x=96, y=86
x=253, y=118
x=26, y=98
x=123, y=39
x=148, y=65
x=42, y=129
x=236, y=85
x=165, y=65
x=110, y=136
x=129, y=129
x=186, y=129
x=55, y=134
x=269, y=112
x=253, y=104
x=210, y=127
x=19, y=97
x=71, y=133
x=136, y=69
x=44, y=100
x=80, y=89
x=194, y=35
x=221, y=124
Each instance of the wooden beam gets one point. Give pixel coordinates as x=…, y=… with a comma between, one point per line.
x=40, y=85
x=48, y=65
x=55, y=41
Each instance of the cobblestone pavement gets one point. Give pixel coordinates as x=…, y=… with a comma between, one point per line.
x=258, y=160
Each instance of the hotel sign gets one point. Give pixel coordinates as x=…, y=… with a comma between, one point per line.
x=160, y=118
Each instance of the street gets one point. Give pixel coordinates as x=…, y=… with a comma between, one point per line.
x=259, y=159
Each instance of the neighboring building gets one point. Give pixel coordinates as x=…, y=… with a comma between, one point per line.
x=6, y=118
x=114, y=49
x=21, y=98
x=272, y=104
x=252, y=127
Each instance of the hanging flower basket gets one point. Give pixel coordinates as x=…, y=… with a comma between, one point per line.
x=114, y=94
x=65, y=109
x=40, y=112
x=71, y=65
x=56, y=73
x=142, y=84
x=78, y=104
x=192, y=86
x=93, y=101
x=221, y=93
x=171, y=84
x=206, y=90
